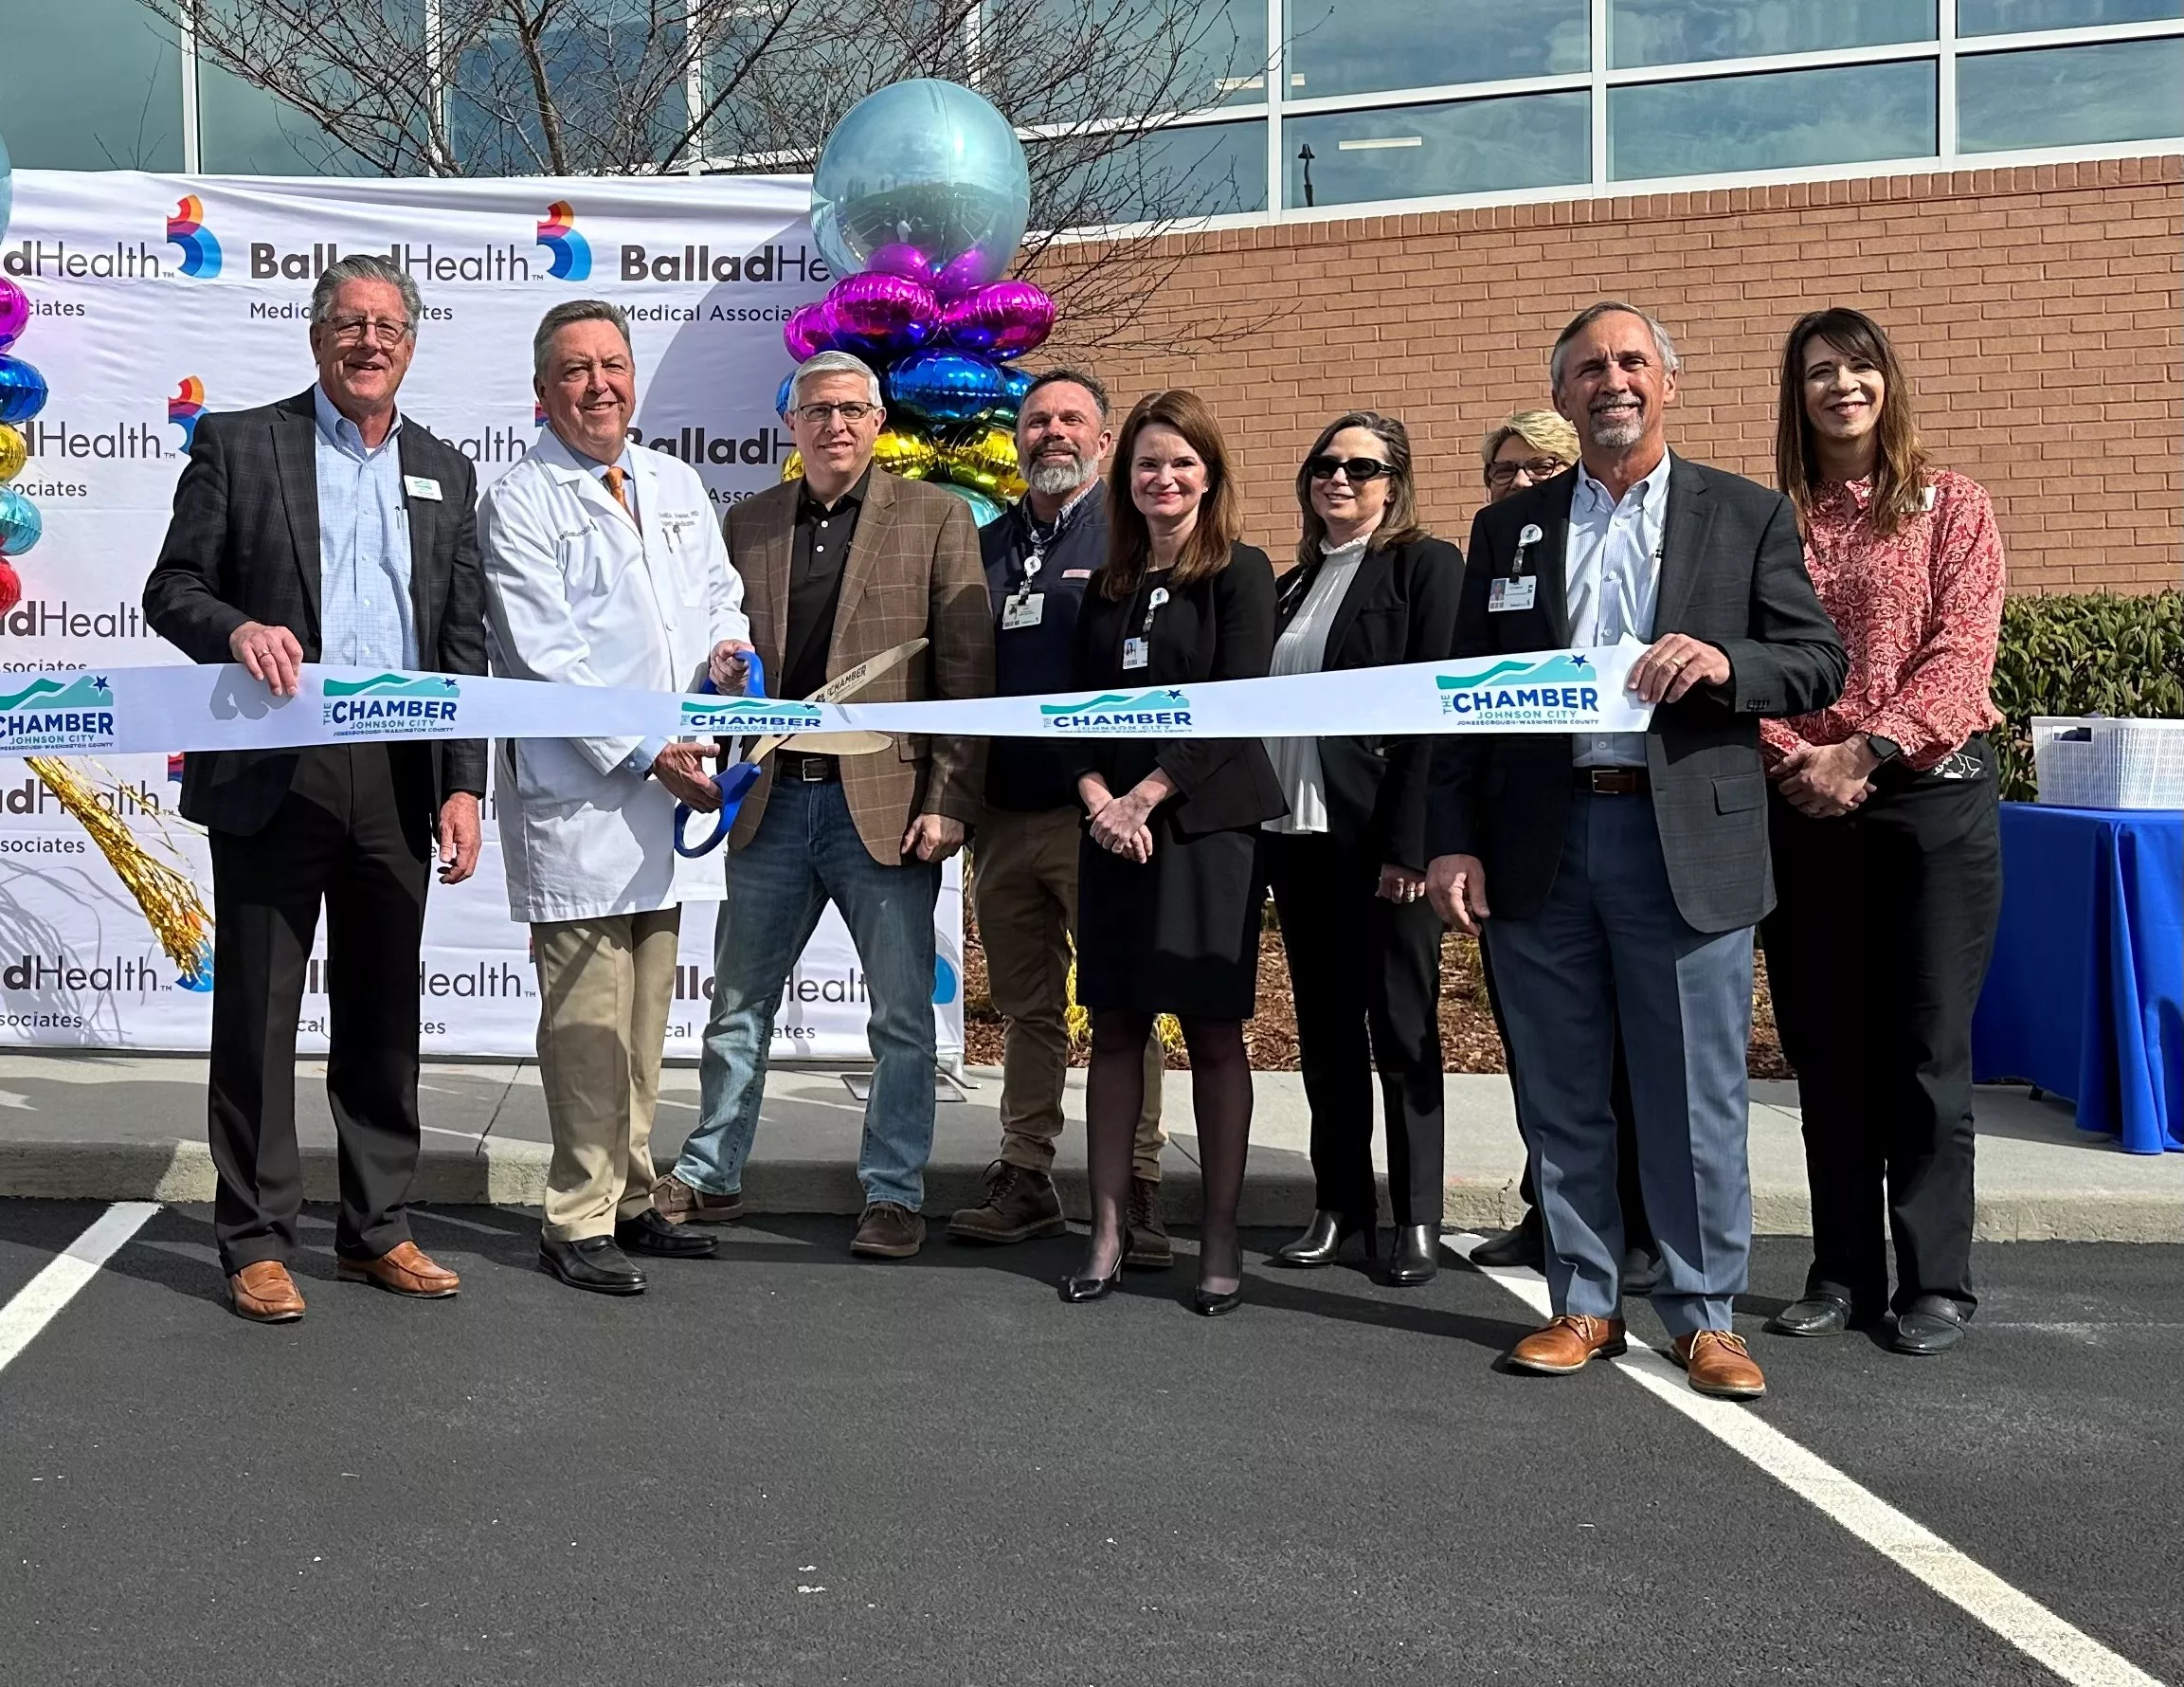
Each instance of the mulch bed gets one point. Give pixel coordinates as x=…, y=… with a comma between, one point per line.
x=1468, y=1036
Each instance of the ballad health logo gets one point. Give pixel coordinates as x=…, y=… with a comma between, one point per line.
x=200, y=250
x=739, y=717
x=184, y=407
x=1112, y=712
x=391, y=706
x=1562, y=690
x=48, y=714
x=571, y=251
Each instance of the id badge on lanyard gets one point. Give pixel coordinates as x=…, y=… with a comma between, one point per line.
x=1520, y=587
x=1025, y=607
x=1138, y=652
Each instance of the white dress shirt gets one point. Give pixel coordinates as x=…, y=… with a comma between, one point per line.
x=1303, y=649
x=1613, y=569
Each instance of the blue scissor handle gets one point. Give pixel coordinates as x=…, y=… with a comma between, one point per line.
x=733, y=783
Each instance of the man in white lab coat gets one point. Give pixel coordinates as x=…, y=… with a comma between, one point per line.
x=604, y=565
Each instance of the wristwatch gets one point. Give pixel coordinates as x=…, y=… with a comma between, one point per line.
x=1883, y=749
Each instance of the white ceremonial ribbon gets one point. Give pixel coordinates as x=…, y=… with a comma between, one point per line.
x=135, y=711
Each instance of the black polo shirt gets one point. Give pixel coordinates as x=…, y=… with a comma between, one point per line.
x=823, y=536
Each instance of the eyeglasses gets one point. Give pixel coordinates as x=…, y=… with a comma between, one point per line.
x=1538, y=468
x=355, y=331
x=817, y=415
x=1359, y=469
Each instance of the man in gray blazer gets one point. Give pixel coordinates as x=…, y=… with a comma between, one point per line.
x=325, y=528
x=1622, y=874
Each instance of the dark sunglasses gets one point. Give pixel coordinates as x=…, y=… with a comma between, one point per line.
x=1358, y=468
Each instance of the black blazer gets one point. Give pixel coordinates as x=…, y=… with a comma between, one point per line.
x=244, y=546
x=1733, y=575
x=1222, y=628
x=1401, y=608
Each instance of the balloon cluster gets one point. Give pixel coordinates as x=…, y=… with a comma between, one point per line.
x=919, y=203
x=22, y=396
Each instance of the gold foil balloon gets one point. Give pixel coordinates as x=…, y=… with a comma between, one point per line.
x=13, y=452
x=793, y=468
x=902, y=452
x=984, y=458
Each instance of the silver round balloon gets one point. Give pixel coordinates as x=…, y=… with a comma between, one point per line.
x=6, y=186
x=928, y=165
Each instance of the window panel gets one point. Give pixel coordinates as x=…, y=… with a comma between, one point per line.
x=1368, y=47
x=1644, y=32
x=1204, y=169
x=1474, y=146
x=1774, y=121
x=1062, y=60
x=245, y=131
x=92, y=85
x=2132, y=90
x=2006, y=17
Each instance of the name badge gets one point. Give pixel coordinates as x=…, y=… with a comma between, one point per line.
x=1505, y=594
x=1023, y=612
x=1137, y=653
x=421, y=487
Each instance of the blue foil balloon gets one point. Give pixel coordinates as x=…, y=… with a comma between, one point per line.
x=929, y=169
x=984, y=508
x=22, y=391
x=783, y=393
x=1016, y=387
x=19, y=524
x=942, y=385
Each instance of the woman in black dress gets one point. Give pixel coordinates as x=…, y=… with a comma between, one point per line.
x=1169, y=897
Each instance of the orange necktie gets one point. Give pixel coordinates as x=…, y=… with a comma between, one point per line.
x=614, y=478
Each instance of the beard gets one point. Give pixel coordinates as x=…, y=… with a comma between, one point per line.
x=1057, y=476
x=1618, y=432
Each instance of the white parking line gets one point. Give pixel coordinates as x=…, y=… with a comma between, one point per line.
x=2018, y=1618
x=33, y=1307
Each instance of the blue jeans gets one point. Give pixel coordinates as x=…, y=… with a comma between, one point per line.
x=805, y=854
x=1609, y=945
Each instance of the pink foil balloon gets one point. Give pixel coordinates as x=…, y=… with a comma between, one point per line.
x=900, y=258
x=1004, y=320
x=14, y=312
x=961, y=275
x=888, y=313
x=808, y=331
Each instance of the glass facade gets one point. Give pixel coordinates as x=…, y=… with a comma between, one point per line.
x=2071, y=95
x=1847, y=115
x=1370, y=46
x=2010, y=17
x=1202, y=170
x=1472, y=146
x=95, y=84
x=1642, y=32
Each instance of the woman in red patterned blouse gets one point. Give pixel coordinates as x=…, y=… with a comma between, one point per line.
x=1888, y=852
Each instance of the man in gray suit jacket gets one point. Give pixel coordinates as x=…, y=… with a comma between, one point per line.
x=1622, y=874
x=325, y=528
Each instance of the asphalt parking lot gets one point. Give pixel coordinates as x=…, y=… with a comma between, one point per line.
x=785, y=1466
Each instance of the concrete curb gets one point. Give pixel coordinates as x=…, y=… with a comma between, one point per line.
x=514, y=1174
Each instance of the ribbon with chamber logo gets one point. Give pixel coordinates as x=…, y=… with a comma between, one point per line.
x=147, y=711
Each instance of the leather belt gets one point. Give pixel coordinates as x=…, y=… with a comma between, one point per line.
x=1613, y=782
x=805, y=769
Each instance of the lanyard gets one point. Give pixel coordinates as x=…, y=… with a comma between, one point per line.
x=1153, y=604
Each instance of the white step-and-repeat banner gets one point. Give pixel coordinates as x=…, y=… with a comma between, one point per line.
x=157, y=298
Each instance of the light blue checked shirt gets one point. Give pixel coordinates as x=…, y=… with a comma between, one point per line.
x=1614, y=574
x=365, y=616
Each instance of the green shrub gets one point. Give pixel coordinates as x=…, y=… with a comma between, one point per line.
x=2084, y=653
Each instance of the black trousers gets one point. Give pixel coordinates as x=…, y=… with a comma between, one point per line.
x=1365, y=976
x=1638, y=1228
x=354, y=831
x=1875, y=954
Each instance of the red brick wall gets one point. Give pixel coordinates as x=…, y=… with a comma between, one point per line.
x=2039, y=310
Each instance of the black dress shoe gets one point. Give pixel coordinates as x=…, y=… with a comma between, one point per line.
x=1527, y=1245
x=595, y=1264
x=1816, y=1314
x=1416, y=1256
x=1931, y=1324
x=1075, y=1290
x=651, y=1233
x=1324, y=1238
x=1641, y=1273
x=1208, y=1304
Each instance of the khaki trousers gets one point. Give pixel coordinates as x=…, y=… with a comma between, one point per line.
x=604, y=989
x=1023, y=886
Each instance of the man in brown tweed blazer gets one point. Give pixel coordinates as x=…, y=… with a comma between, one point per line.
x=837, y=567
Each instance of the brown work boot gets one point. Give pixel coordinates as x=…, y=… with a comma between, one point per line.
x=403, y=1269
x=1719, y=1364
x=1019, y=1204
x=681, y=1204
x=1568, y=1344
x=264, y=1292
x=1149, y=1247
x=889, y=1230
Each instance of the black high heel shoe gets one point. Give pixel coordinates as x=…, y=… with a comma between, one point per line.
x=1076, y=1291
x=1207, y=1304
x=1415, y=1256
x=1324, y=1238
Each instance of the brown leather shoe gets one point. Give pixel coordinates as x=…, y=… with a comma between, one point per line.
x=403, y=1269
x=1570, y=1343
x=1019, y=1204
x=1719, y=1364
x=680, y=1204
x=266, y=1294
x=1148, y=1245
x=888, y=1231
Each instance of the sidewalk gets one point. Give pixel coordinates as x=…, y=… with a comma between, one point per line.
x=131, y=1127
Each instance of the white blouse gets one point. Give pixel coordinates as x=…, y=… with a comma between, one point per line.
x=1303, y=649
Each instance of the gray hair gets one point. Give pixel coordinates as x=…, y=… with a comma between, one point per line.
x=832, y=363
x=1074, y=377
x=572, y=311
x=366, y=266
x=1591, y=314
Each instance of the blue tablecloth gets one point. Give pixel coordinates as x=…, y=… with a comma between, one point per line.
x=2085, y=996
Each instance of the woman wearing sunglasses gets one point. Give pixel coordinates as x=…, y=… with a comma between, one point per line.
x=1347, y=864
